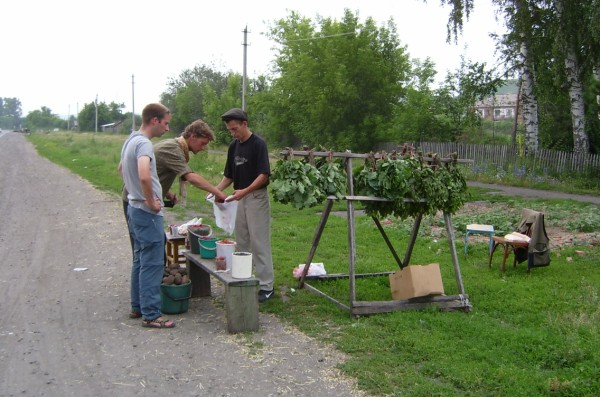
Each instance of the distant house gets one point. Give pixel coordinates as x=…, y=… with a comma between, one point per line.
x=502, y=106
x=111, y=127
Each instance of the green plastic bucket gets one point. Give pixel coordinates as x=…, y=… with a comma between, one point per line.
x=195, y=232
x=175, y=298
x=208, y=247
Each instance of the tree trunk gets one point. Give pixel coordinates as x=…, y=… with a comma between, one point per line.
x=597, y=77
x=529, y=101
x=581, y=142
x=517, y=107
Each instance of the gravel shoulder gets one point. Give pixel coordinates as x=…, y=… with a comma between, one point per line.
x=65, y=298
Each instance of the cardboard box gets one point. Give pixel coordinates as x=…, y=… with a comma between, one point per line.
x=415, y=281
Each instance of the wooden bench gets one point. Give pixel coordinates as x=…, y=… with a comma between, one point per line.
x=241, y=295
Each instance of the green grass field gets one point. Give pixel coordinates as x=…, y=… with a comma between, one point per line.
x=528, y=334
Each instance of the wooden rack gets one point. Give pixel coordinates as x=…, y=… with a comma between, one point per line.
x=452, y=302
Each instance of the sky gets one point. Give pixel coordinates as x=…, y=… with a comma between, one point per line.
x=61, y=54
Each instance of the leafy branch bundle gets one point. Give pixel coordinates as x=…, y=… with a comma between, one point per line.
x=412, y=186
x=302, y=184
x=334, y=178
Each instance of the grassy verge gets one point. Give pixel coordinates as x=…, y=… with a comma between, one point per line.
x=529, y=334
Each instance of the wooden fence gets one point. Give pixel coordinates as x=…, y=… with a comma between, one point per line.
x=507, y=157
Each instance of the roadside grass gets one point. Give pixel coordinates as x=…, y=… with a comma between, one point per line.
x=528, y=334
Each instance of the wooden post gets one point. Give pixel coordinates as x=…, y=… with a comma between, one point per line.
x=450, y=234
x=200, y=279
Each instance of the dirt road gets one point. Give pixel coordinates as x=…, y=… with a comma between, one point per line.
x=525, y=192
x=64, y=300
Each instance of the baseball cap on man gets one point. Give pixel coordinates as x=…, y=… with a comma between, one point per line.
x=234, y=114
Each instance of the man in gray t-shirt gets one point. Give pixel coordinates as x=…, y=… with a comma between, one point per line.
x=138, y=146
x=145, y=216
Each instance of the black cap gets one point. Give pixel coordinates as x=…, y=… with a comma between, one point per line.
x=234, y=114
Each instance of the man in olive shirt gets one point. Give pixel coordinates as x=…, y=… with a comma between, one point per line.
x=172, y=156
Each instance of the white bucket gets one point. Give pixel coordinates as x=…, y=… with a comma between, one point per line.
x=226, y=248
x=241, y=266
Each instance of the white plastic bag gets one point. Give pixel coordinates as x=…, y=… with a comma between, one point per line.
x=182, y=230
x=315, y=269
x=224, y=214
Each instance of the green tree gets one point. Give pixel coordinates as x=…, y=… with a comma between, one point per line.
x=338, y=81
x=555, y=44
x=44, y=119
x=10, y=113
x=185, y=94
x=417, y=118
x=107, y=114
x=458, y=93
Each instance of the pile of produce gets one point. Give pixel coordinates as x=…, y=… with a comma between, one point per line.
x=175, y=275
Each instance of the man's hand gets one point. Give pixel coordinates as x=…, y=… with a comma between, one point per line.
x=237, y=195
x=172, y=197
x=155, y=205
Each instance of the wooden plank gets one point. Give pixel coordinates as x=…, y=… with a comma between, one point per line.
x=314, y=290
x=349, y=155
x=209, y=266
x=412, y=239
x=453, y=302
x=388, y=242
x=335, y=276
x=450, y=234
x=351, y=232
x=316, y=239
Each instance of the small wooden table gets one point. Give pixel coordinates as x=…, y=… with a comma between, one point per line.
x=476, y=228
x=174, y=255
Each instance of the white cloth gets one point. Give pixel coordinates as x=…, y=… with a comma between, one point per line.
x=514, y=236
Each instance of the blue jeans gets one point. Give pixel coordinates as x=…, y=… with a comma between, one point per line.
x=148, y=261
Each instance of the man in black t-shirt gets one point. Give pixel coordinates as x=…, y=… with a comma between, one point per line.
x=247, y=167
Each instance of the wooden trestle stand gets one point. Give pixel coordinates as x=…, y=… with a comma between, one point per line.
x=450, y=302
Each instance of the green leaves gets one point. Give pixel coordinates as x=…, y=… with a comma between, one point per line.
x=411, y=187
x=301, y=184
x=333, y=182
x=297, y=183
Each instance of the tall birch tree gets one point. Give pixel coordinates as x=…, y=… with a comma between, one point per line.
x=569, y=19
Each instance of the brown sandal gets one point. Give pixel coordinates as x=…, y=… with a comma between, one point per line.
x=135, y=315
x=158, y=323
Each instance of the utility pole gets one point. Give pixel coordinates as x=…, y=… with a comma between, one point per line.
x=69, y=119
x=96, y=103
x=245, y=44
x=132, y=105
